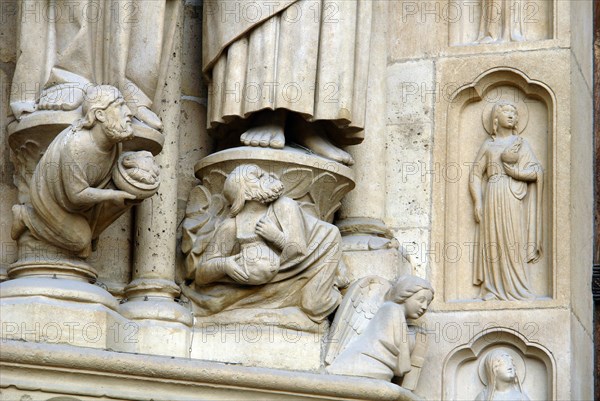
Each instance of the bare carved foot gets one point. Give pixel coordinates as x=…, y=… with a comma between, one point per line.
x=486, y=39
x=323, y=147
x=270, y=135
x=60, y=97
x=148, y=117
x=517, y=36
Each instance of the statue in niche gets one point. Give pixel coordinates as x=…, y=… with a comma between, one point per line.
x=79, y=44
x=252, y=248
x=298, y=70
x=508, y=211
x=501, y=21
x=72, y=193
x=370, y=334
x=502, y=381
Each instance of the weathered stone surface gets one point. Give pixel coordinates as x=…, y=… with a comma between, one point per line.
x=411, y=212
x=145, y=377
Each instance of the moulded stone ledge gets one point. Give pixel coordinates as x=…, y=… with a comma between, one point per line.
x=93, y=372
x=318, y=183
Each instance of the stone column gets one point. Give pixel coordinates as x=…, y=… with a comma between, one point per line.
x=162, y=323
x=364, y=233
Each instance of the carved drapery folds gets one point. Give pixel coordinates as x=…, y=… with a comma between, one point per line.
x=299, y=71
x=124, y=43
x=499, y=22
x=509, y=215
x=257, y=240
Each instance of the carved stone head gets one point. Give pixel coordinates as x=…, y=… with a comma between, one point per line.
x=411, y=288
x=504, y=114
x=249, y=182
x=500, y=370
x=105, y=104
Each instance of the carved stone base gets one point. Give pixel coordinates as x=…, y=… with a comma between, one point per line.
x=60, y=289
x=39, y=259
x=61, y=311
x=369, y=248
x=258, y=345
x=158, y=337
x=162, y=325
x=39, y=309
x=39, y=372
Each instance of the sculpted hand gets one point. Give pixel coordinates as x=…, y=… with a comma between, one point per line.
x=511, y=170
x=267, y=229
x=234, y=270
x=119, y=197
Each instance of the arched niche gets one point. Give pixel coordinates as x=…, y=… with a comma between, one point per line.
x=536, y=368
x=465, y=135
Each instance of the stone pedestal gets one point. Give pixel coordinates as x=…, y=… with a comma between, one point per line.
x=87, y=374
x=317, y=183
x=41, y=309
x=50, y=295
x=260, y=345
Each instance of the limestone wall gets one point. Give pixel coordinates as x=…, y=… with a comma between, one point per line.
x=424, y=129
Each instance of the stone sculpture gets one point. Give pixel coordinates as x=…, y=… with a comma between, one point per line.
x=252, y=248
x=71, y=191
x=502, y=381
x=79, y=44
x=509, y=211
x=501, y=21
x=270, y=81
x=370, y=334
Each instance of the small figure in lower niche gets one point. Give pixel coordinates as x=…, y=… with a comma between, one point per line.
x=502, y=379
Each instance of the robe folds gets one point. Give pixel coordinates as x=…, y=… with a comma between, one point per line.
x=307, y=275
x=123, y=43
x=382, y=351
x=71, y=164
x=307, y=56
x=510, y=234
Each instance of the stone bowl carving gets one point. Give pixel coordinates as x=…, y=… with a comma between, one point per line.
x=137, y=174
x=318, y=184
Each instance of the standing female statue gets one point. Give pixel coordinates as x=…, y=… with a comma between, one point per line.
x=502, y=379
x=509, y=211
x=291, y=68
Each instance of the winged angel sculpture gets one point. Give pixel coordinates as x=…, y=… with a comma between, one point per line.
x=371, y=336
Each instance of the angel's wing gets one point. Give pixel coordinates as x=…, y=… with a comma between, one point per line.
x=361, y=302
x=204, y=211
